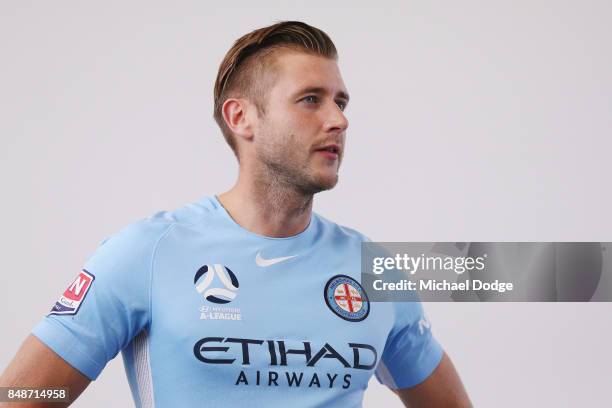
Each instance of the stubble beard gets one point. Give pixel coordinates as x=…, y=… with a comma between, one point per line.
x=282, y=171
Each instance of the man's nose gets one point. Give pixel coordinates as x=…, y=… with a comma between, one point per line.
x=335, y=119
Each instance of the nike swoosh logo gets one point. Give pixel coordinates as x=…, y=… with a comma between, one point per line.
x=267, y=262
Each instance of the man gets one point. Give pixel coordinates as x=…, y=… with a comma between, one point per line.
x=248, y=298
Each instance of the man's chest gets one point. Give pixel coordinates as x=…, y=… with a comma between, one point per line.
x=259, y=317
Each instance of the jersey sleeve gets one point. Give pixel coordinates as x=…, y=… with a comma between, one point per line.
x=108, y=303
x=411, y=353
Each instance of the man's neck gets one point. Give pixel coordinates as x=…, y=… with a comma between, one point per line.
x=272, y=210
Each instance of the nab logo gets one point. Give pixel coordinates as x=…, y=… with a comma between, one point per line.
x=70, y=301
x=204, y=277
x=424, y=325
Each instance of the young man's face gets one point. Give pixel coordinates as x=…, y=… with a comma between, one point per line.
x=300, y=138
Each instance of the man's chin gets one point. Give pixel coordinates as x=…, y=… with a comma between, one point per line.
x=325, y=182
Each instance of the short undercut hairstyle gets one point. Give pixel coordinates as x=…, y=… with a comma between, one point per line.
x=245, y=70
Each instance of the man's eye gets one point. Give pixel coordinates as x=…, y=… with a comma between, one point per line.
x=310, y=99
x=341, y=105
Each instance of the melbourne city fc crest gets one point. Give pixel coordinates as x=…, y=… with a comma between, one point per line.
x=223, y=291
x=346, y=298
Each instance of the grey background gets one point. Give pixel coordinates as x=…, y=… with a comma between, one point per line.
x=469, y=121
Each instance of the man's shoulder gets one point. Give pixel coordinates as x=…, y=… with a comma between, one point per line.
x=186, y=215
x=341, y=231
x=154, y=226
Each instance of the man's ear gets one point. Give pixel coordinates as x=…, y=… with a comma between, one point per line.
x=236, y=115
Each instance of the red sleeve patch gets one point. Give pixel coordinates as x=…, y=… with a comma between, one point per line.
x=71, y=299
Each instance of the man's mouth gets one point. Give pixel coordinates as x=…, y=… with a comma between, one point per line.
x=330, y=151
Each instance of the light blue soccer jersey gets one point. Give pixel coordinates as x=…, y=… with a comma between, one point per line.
x=208, y=314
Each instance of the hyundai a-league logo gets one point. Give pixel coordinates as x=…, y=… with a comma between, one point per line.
x=222, y=290
x=346, y=298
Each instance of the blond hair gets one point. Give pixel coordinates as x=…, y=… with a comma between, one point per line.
x=246, y=66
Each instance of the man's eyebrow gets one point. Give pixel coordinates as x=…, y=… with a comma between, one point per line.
x=319, y=90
